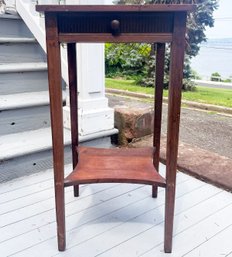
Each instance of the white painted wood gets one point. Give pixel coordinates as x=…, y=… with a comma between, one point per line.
x=191, y=238
x=26, y=10
x=23, y=81
x=101, y=135
x=22, y=67
x=91, y=70
x=218, y=245
x=13, y=17
x=12, y=26
x=229, y=255
x=92, y=122
x=85, y=199
x=10, y=2
x=28, y=142
x=41, y=220
x=17, y=40
x=21, y=53
x=23, y=100
x=25, y=165
x=188, y=215
x=26, y=119
x=2, y=7
x=13, y=196
x=12, y=186
x=36, y=141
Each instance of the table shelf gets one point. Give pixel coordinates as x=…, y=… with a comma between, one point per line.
x=124, y=165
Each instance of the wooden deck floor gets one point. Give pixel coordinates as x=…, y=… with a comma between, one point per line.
x=119, y=220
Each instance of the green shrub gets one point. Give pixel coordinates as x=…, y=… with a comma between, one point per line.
x=215, y=76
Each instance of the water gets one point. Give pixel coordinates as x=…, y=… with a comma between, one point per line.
x=215, y=56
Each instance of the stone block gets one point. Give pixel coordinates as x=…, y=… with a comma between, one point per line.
x=133, y=123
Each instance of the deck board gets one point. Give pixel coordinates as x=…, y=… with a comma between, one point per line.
x=210, y=247
x=185, y=216
x=229, y=254
x=113, y=219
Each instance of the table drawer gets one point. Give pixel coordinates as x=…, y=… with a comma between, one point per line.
x=115, y=23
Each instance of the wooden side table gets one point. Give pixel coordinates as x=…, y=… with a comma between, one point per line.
x=158, y=24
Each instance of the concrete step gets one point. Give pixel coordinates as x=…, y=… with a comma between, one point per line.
x=13, y=26
x=21, y=52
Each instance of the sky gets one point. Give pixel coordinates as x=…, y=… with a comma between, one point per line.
x=223, y=21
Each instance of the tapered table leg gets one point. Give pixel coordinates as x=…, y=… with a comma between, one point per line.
x=174, y=104
x=56, y=103
x=159, y=80
x=73, y=95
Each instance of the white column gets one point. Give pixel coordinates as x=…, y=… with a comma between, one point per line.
x=95, y=117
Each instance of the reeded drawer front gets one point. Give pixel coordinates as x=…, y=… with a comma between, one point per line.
x=115, y=23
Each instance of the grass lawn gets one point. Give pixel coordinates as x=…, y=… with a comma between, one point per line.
x=222, y=97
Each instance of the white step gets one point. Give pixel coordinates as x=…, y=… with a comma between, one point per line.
x=28, y=164
x=20, y=144
x=23, y=81
x=13, y=26
x=24, y=112
x=14, y=40
x=23, y=100
x=21, y=53
x=21, y=120
x=22, y=67
x=10, y=16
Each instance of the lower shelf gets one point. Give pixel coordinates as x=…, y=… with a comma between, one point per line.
x=98, y=165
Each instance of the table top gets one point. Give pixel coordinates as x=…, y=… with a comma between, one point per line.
x=117, y=8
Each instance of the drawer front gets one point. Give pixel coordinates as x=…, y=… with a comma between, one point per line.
x=115, y=23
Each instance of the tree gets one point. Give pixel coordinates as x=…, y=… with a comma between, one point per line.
x=196, y=25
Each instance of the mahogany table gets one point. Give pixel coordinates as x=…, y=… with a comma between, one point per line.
x=158, y=24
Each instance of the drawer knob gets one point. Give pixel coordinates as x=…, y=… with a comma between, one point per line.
x=115, y=27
